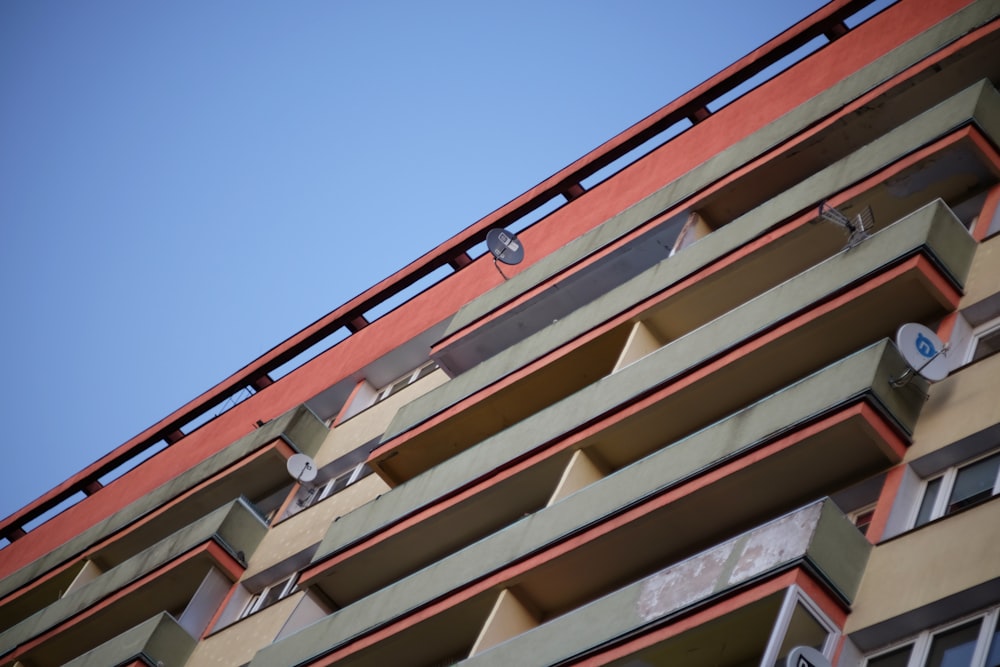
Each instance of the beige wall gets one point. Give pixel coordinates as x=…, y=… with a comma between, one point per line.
x=964, y=403
x=237, y=643
x=925, y=565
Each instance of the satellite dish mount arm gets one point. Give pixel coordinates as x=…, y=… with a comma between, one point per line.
x=499, y=270
x=907, y=375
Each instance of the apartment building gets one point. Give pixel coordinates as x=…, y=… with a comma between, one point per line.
x=680, y=432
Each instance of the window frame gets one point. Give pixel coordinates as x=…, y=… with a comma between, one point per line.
x=288, y=585
x=331, y=487
x=921, y=643
x=947, y=477
x=404, y=381
x=978, y=333
x=866, y=512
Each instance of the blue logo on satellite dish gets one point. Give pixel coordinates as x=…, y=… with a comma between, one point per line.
x=925, y=346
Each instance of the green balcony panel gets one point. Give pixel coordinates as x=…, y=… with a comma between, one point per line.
x=932, y=230
x=817, y=536
x=160, y=640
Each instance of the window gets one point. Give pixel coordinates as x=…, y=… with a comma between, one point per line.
x=985, y=341
x=339, y=482
x=405, y=381
x=959, y=487
x=270, y=595
x=862, y=518
x=968, y=643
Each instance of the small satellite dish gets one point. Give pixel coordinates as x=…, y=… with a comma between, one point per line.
x=857, y=228
x=302, y=468
x=926, y=355
x=806, y=656
x=505, y=247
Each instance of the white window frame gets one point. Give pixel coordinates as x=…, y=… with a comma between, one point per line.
x=256, y=602
x=855, y=515
x=330, y=488
x=793, y=598
x=947, y=485
x=404, y=381
x=922, y=642
x=979, y=332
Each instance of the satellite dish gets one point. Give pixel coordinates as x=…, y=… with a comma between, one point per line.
x=806, y=656
x=926, y=355
x=505, y=247
x=301, y=467
x=857, y=228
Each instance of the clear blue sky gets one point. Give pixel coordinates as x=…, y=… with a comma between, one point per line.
x=183, y=185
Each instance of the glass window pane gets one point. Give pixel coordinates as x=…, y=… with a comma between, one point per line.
x=993, y=656
x=973, y=483
x=863, y=520
x=897, y=658
x=954, y=648
x=927, y=504
x=803, y=630
x=987, y=344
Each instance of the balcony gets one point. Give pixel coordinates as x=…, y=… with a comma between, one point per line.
x=689, y=290
x=160, y=640
x=185, y=574
x=814, y=546
x=252, y=466
x=831, y=310
x=838, y=426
